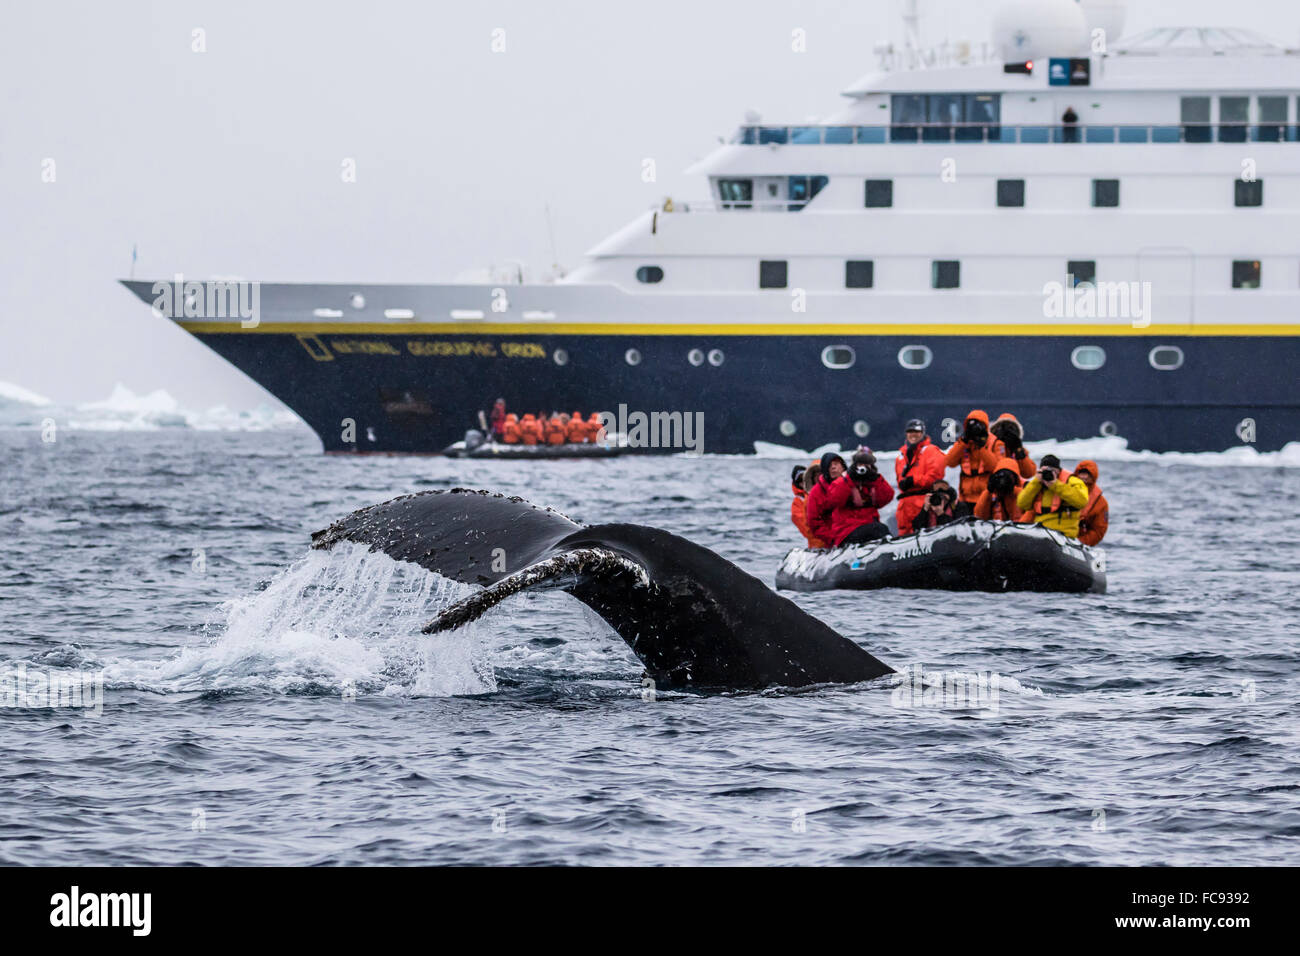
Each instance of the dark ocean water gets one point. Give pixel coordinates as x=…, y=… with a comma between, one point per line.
x=263, y=704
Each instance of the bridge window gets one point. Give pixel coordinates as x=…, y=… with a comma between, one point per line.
x=1105, y=192
x=1272, y=118
x=772, y=274
x=800, y=190
x=859, y=274
x=1011, y=192
x=736, y=193
x=1234, y=114
x=1249, y=193
x=880, y=193
x=650, y=274
x=1166, y=358
x=915, y=357
x=945, y=274
x=1195, y=116
x=943, y=117
x=1081, y=271
x=838, y=356
x=1088, y=358
x=1245, y=274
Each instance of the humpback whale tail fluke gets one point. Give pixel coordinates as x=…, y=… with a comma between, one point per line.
x=692, y=617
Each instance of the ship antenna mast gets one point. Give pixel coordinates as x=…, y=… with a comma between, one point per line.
x=911, y=33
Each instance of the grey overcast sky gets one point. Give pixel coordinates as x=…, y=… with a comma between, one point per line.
x=228, y=162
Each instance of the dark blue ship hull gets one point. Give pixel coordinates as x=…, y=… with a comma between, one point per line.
x=418, y=393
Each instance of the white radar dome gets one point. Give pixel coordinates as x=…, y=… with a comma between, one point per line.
x=1107, y=16
x=1038, y=29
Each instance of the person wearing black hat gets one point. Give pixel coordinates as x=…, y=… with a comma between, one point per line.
x=799, y=507
x=855, y=499
x=918, y=466
x=1053, y=498
x=817, y=506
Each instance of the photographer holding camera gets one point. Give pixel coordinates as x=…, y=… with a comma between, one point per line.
x=937, y=507
x=1009, y=442
x=855, y=499
x=1054, y=498
x=998, y=502
x=973, y=453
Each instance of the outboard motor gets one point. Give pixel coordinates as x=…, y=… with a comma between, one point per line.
x=474, y=438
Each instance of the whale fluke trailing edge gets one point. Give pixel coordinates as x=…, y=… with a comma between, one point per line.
x=691, y=616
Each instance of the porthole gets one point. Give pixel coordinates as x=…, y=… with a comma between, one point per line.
x=839, y=356
x=695, y=357
x=560, y=357
x=861, y=428
x=1088, y=358
x=716, y=357
x=1166, y=358
x=915, y=356
x=650, y=274
x=358, y=300
x=632, y=357
x=788, y=428
x=1108, y=429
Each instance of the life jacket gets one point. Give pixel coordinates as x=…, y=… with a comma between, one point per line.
x=594, y=425
x=530, y=430
x=922, y=462
x=555, y=431
x=510, y=431
x=991, y=507
x=799, y=515
x=976, y=465
x=1060, y=516
x=1094, y=517
x=576, y=430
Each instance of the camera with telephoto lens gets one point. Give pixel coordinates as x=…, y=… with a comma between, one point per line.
x=937, y=498
x=864, y=473
x=976, y=432
x=1048, y=475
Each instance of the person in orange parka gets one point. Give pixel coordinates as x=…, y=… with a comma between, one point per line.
x=576, y=430
x=798, y=507
x=1094, y=519
x=973, y=453
x=1009, y=442
x=594, y=425
x=918, y=466
x=530, y=429
x=510, y=430
x=998, y=501
x=555, y=431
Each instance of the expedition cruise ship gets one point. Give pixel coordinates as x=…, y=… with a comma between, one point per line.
x=1098, y=232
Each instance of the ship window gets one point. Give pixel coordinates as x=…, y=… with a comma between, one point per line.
x=1245, y=274
x=1011, y=192
x=736, y=193
x=838, y=134
x=915, y=357
x=1166, y=358
x=695, y=357
x=650, y=274
x=1234, y=114
x=945, y=274
x=1081, y=271
x=772, y=274
x=859, y=274
x=880, y=193
x=560, y=357
x=1088, y=358
x=1249, y=193
x=1272, y=118
x=907, y=115
x=838, y=356
x=801, y=189
x=1105, y=192
x=716, y=357
x=1195, y=116
x=632, y=357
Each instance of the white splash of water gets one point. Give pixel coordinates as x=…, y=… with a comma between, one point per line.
x=335, y=622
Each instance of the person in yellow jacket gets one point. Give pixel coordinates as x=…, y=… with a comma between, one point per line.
x=1053, y=498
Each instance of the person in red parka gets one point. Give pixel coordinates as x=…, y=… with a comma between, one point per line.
x=817, y=506
x=998, y=501
x=973, y=454
x=918, y=466
x=1094, y=519
x=497, y=422
x=855, y=499
x=798, y=507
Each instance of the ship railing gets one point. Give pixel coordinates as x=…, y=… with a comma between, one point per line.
x=1016, y=133
x=713, y=205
